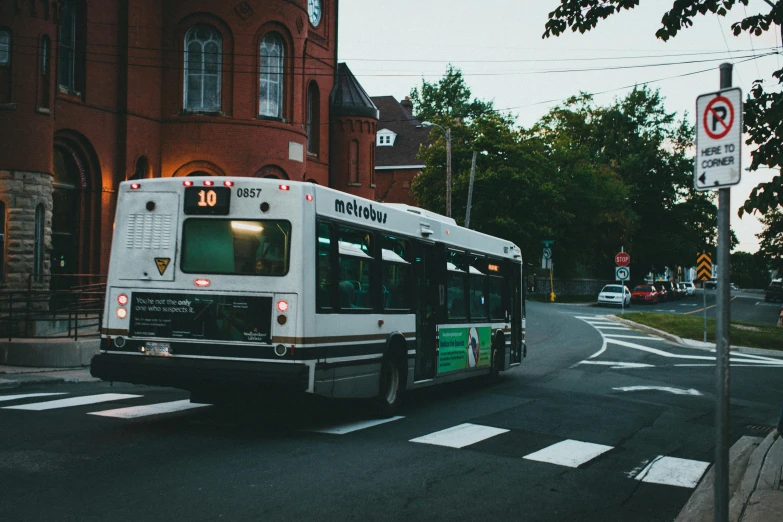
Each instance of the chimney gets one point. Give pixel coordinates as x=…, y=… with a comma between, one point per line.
x=407, y=104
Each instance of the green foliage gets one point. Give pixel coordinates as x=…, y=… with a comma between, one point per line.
x=749, y=270
x=590, y=178
x=771, y=239
x=763, y=119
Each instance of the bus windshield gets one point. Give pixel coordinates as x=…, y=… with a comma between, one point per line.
x=236, y=247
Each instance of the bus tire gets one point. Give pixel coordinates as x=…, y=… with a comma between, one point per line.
x=392, y=384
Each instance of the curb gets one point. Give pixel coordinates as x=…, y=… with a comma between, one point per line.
x=32, y=379
x=692, y=343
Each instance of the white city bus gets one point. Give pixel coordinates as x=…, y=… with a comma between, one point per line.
x=244, y=286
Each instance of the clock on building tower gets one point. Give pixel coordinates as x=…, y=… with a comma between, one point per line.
x=314, y=12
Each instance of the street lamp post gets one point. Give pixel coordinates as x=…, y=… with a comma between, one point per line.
x=447, y=132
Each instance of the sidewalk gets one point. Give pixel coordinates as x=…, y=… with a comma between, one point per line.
x=755, y=484
x=16, y=376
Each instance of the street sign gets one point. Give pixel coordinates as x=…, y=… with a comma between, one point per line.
x=622, y=273
x=548, y=242
x=718, y=139
x=703, y=267
x=547, y=253
x=622, y=259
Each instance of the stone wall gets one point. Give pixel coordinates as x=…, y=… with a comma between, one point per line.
x=570, y=286
x=21, y=193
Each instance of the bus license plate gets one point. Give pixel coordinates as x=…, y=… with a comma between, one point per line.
x=158, y=349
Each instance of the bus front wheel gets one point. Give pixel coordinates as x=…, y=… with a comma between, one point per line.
x=390, y=390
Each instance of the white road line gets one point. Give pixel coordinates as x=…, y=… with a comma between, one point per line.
x=75, y=401
x=675, y=391
x=671, y=471
x=622, y=336
x=772, y=362
x=354, y=426
x=617, y=365
x=4, y=398
x=459, y=436
x=571, y=453
x=613, y=328
x=134, y=412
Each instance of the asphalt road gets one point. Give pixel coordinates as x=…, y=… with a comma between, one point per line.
x=746, y=306
x=600, y=423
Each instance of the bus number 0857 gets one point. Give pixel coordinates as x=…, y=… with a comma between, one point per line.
x=248, y=193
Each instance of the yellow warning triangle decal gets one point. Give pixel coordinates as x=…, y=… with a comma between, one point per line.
x=163, y=263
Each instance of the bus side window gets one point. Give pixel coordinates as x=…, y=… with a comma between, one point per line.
x=396, y=273
x=457, y=271
x=477, y=291
x=356, y=279
x=323, y=295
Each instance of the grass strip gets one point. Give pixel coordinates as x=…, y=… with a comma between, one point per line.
x=689, y=327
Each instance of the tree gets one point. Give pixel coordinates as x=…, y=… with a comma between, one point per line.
x=749, y=270
x=763, y=112
x=771, y=239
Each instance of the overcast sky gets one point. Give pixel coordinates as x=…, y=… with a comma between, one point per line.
x=391, y=45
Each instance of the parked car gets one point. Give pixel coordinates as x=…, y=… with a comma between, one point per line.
x=672, y=289
x=689, y=288
x=663, y=293
x=644, y=294
x=615, y=295
x=774, y=291
x=711, y=284
x=681, y=292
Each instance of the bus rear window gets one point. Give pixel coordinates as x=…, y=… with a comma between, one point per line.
x=238, y=247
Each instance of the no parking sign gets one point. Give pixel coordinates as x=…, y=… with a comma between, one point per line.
x=718, y=139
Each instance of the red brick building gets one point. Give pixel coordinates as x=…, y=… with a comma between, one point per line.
x=95, y=92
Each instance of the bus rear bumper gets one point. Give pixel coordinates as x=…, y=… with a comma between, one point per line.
x=200, y=374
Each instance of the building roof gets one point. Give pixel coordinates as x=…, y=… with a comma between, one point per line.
x=410, y=135
x=348, y=98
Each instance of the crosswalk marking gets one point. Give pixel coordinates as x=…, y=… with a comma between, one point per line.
x=353, y=426
x=75, y=401
x=134, y=412
x=6, y=398
x=460, y=436
x=570, y=453
x=671, y=471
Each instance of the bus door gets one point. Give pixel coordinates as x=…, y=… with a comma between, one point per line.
x=429, y=307
x=517, y=307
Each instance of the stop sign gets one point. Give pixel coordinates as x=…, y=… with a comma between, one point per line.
x=622, y=259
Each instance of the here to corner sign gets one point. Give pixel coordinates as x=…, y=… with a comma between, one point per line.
x=718, y=139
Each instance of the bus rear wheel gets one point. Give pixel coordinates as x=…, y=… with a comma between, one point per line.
x=390, y=390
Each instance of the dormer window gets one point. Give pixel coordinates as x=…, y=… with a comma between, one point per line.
x=386, y=138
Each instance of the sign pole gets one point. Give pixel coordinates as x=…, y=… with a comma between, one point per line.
x=704, y=295
x=722, y=342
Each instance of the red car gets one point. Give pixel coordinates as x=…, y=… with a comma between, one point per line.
x=644, y=294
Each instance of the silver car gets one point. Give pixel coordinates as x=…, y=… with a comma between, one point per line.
x=615, y=295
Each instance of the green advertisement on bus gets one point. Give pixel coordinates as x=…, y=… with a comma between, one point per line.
x=463, y=348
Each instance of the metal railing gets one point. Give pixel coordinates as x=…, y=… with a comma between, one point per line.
x=72, y=312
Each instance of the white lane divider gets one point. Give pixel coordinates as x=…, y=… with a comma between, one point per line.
x=6, y=398
x=570, y=453
x=134, y=412
x=75, y=401
x=342, y=429
x=671, y=471
x=675, y=391
x=460, y=436
x=617, y=365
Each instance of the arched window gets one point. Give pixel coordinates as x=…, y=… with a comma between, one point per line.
x=72, y=46
x=271, y=76
x=203, y=59
x=5, y=47
x=38, y=244
x=354, y=162
x=313, y=118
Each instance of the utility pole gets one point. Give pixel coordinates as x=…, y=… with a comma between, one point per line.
x=722, y=341
x=470, y=190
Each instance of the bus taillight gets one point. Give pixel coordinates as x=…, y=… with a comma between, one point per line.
x=202, y=283
x=285, y=187
x=282, y=306
x=135, y=186
x=122, y=299
x=309, y=197
x=188, y=183
x=122, y=313
x=208, y=182
x=228, y=183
